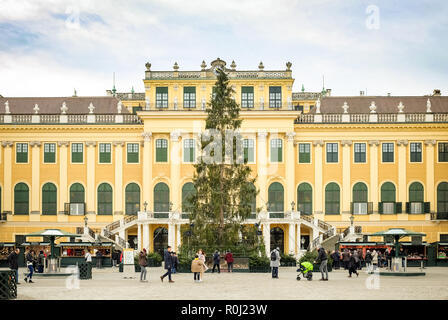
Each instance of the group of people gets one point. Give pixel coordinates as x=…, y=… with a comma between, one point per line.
x=34, y=263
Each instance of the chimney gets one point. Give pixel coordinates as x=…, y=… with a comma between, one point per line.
x=436, y=92
x=361, y=93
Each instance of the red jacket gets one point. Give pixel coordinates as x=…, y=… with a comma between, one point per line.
x=229, y=257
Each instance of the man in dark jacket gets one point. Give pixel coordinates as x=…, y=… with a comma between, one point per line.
x=168, y=264
x=345, y=258
x=322, y=257
x=336, y=259
x=13, y=261
x=216, y=260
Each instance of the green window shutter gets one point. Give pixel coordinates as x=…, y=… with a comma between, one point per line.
x=161, y=150
x=21, y=199
x=427, y=208
x=189, y=97
x=380, y=207
x=189, y=150
x=398, y=207
x=188, y=190
x=49, y=199
x=247, y=97
x=77, y=152
x=359, y=192
x=161, y=197
x=104, y=204
x=49, y=153
x=276, y=150
x=388, y=192
x=105, y=152
x=304, y=153
x=248, y=147
x=305, y=198
x=132, y=199
x=275, y=97
x=21, y=152
x=162, y=97
x=77, y=193
x=443, y=152
x=133, y=153
x=276, y=197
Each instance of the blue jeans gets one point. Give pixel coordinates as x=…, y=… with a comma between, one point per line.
x=173, y=270
x=17, y=274
x=274, y=272
x=31, y=268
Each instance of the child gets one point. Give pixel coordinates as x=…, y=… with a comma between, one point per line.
x=197, y=266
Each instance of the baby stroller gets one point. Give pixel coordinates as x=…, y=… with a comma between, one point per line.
x=306, y=269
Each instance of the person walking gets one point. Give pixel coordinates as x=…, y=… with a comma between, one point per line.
x=29, y=258
x=216, y=260
x=168, y=264
x=13, y=261
x=275, y=262
x=374, y=259
x=322, y=257
x=345, y=258
x=175, y=261
x=197, y=266
x=201, y=256
x=88, y=259
x=353, y=264
x=40, y=262
x=336, y=259
x=355, y=255
x=143, y=262
x=368, y=260
x=229, y=259
x=99, y=259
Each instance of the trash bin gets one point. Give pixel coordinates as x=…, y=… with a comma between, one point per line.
x=85, y=271
x=8, y=286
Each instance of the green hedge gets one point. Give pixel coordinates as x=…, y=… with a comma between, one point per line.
x=287, y=260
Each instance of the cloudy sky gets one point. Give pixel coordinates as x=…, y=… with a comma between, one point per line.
x=50, y=47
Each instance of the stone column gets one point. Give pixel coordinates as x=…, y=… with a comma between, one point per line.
x=175, y=161
x=373, y=188
x=178, y=236
x=346, y=163
x=146, y=240
x=7, y=177
x=118, y=195
x=292, y=238
x=63, y=187
x=298, y=239
x=171, y=234
x=430, y=186
x=402, y=161
x=290, y=166
x=147, y=168
x=262, y=168
x=318, y=179
x=267, y=237
x=35, y=180
x=139, y=237
x=91, y=190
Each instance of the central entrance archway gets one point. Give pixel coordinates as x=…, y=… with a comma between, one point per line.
x=160, y=240
x=277, y=239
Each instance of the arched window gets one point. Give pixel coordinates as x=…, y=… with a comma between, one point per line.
x=442, y=199
x=161, y=198
x=416, y=197
x=77, y=193
x=359, y=205
x=305, y=198
x=132, y=198
x=275, y=197
x=49, y=199
x=332, y=198
x=387, y=204
x=104, y=206
x=277, y=239
x=188, y=190
x=21, y=199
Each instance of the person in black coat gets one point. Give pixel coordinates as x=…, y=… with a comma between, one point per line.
x=336, y=259
x=352, y=265
x=168, y=264
x=216, y=260
x=13, y=261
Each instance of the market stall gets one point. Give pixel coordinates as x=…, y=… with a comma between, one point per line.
x=438, y=254
x=72, y=253
x=380, y=247
x=415, y=253
x=106, y=249
x=5, y=249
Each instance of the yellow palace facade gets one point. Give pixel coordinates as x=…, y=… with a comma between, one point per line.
x=119, y=167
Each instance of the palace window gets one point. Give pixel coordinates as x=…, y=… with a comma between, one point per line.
x=416, y=152
x=247, y=97
x=360, y=152
x=387, y=204
x=161, y=150
x=49, y=152
x=443, y=151
x=304, y=153
x=275, y=97
x=248, y=145
x=388, y=152
x=162, y=97
x=105, y=153
x=133, y=153
x=189, y=97
x=188, y=190
x=77, y=153
x=49, y=199
x=332, y=198
x=276, y=197
x=332, y=152
x=189, y=150
x=276, y=150
x=21, y=152
x=161, y=198
x=305, y=198
x=21, y=199
x=132, y=198
x=442, y=197
x=104, y=199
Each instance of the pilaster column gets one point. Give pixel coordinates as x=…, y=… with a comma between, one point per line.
x=430, y=187
x=90, y=146
x=262, y=167
x=63, y=188
x=171, y=234
x=298, y=239
x=291, y=238
x=290, y=165
x=146, y=240
x=35, y=180
x=346, y=163
x=175, y=161
x=139, y=237
x=118, y=195
x=178, y=236
x=402, y=161
x=7, y=176
x=267, y=238
x=373, y=188
x=147, y=167
x=318, y=180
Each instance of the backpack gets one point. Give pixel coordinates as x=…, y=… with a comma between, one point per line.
x=273, y=256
